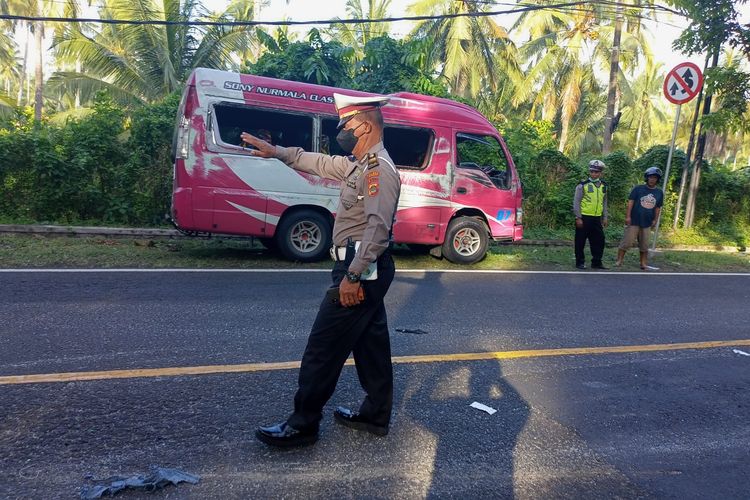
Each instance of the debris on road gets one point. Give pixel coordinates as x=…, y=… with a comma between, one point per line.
x=159, y=478
x=737, y=351
x=480, y=406
x=416, y=331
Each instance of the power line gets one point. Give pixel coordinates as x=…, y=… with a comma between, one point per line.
x=159, y=22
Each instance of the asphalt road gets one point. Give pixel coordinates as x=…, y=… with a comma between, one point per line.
x=617, y=423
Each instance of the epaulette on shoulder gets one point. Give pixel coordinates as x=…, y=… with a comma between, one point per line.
x=372, y=160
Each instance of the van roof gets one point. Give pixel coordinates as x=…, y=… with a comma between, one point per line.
x=403, y=107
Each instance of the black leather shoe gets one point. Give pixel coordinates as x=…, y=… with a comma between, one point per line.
x=598, y=266
x=285, y=436
x=580, y=266
x=353, y=419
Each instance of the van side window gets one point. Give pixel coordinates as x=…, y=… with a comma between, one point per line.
x=278, y=128
x=328, y=133
x=408, y=147
x=484, y=153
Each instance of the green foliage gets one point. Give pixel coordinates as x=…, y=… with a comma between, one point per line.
x=312, y=61
x=711, y=24
x=149, y=167
x=66, y=173
x=722, y=202
x=526, y=139
x=549, y=184
x=390, y=66
x=85, y=170
x=732, y=86
x=146, y=62
x=657, y=156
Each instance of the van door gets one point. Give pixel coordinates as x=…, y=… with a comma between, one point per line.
x=424, y=193
x=483, y=179
x=250, y=194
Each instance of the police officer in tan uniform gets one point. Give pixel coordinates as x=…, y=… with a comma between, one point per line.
x=352, y=317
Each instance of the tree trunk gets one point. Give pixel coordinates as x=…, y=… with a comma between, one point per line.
x=688, y=153
x=22, y=79
x=564, y=133
x=638, y=135
x=696, y=177
x=78, y=89
x=39, y=73
x=614, y=70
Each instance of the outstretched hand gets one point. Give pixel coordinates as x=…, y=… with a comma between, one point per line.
x=264, y=149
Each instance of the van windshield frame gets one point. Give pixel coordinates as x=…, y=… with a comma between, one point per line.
x=485, y=153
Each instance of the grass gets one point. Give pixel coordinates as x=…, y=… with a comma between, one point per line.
x=29, y=251
x=729, y=237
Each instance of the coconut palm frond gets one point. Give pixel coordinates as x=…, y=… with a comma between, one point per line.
x=88, y=86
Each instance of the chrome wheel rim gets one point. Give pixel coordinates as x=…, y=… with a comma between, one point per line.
x=306, y=236
x=466, y=242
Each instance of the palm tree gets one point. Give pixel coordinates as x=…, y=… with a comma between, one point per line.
x=642, y=104
x=9, y=70
x=564, y=47
x=38, y=8
x=143, y=63
x=357, y=35
x=471, y=53
x=633, y=26
x=585, y=128
x=555, y=54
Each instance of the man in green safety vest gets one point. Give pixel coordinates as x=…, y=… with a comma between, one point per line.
x=590, y=210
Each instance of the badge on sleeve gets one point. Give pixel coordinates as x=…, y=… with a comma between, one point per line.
x=373, y=182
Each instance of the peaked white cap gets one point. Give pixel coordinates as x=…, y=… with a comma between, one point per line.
x=349, y=106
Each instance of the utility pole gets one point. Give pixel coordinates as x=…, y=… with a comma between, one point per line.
x=614, y=70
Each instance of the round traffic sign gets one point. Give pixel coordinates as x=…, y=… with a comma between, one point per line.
x=683, y=82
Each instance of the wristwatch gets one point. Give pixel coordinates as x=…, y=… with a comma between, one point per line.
x=352, y=277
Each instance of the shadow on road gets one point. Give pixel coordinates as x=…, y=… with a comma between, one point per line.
x=473, y=452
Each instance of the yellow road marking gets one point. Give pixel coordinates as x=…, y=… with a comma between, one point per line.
x=290, y=365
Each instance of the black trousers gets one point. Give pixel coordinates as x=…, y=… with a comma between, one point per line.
x=339, y=331
x=593, y=231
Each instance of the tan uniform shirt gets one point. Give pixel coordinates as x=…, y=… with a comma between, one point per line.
x=368, y=199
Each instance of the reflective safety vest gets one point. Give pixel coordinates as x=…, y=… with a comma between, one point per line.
x=592, y=202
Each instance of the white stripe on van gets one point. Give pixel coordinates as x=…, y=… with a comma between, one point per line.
x=271, y=219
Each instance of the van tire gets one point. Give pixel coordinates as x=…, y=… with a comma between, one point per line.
x=304, y=236
x=466, y=240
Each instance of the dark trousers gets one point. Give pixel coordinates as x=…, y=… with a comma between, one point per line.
x=339, y=331
x=593, y=231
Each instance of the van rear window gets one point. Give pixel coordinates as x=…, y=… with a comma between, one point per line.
x=408, y=147
x=278, y=128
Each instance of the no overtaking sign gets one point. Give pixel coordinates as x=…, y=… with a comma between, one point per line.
x=683, y=83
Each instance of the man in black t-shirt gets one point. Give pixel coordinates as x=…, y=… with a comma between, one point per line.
x=644, y=206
